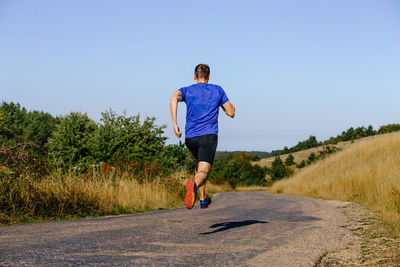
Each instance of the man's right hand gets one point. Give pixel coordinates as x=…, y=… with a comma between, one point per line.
x=177, y=131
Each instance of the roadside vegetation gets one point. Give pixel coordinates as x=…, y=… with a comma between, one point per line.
x=73, y=167
x=366, y=172
x=70, y=166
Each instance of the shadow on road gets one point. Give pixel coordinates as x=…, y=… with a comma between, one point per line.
x=229, y=225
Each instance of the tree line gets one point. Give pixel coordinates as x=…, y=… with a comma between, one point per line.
x=350, y=134
x=36, y=140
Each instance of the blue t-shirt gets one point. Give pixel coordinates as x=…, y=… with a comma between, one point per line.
x=202, y=106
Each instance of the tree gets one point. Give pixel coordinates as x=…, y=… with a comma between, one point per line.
x=309, y=143
x=71, y=144
x=39, y=127
x=279, y=170
x=285, y=150
x=177, y=156
x=389, y=128
x=122, y=138
x=311, y=158
x=13, y=121
x=289, y=160
x=236, y=169
x=370, y=131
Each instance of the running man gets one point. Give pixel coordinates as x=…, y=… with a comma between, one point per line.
x=201, y=132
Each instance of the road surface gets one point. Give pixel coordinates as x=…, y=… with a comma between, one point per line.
x=239, y=228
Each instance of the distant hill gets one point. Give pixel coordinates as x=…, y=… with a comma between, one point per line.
x=303, y=154
x=303, y=149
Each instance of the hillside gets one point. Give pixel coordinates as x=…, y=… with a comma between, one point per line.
x=366, y=172
x=304, y=154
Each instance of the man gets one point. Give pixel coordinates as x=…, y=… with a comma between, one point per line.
x=201, y=132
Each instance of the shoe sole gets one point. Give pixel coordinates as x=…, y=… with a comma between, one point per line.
x=190, y=197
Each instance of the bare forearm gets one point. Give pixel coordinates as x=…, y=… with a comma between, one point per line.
x=229, y=109
x=176, y=97
x=174, y=109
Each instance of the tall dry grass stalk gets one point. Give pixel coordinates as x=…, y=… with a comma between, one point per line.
x=367, y=172
x=78, y=195
x=93, y=194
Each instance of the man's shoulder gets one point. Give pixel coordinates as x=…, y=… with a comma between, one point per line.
x=214, y=85
x=199, y=84
x=195, y=87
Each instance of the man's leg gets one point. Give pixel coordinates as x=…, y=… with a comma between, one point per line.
x=201, y=173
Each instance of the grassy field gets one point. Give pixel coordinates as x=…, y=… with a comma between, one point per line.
x=366, y=172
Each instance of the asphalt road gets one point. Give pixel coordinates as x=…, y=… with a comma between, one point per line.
x=239, y=228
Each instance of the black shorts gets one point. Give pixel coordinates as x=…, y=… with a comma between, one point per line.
x=203, y=147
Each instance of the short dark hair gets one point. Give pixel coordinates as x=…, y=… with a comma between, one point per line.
x=202, y=71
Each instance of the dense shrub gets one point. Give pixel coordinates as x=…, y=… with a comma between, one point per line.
x=352, y=134
x=389, y=128
x=302, y=164
x=23, y=159
x=12, y=123
x=123, y=138
x=236, y=169
x=290, y=160
x=17, y=125
x=177, y=156
x=309, y=143
x=79, y=142
x=39, y=127
x=71, y=144
x=311, y=158
x=278, y=170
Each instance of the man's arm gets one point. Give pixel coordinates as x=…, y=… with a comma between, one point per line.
x=176, y=97
x=229, y=109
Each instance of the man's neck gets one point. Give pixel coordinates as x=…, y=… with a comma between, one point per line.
x=201, y=81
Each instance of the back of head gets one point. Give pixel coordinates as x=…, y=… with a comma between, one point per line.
x=202, y=71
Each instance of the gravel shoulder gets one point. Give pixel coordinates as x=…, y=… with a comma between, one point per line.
x=241, y=228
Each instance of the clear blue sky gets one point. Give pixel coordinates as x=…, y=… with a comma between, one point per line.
x=292, y=68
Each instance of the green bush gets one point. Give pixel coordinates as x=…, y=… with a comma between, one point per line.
x=121, y=138
x=290, y=160
x=39, y=127
x=311, y=158
x=236, y=169
x=71, y=144
x=12, y=123
x=19, y=126
x=389, y=128
x=309, y=143
x=278, y=170
x=302, y=164
x=177, y=156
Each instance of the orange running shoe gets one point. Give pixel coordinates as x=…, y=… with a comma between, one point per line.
x=191, y=192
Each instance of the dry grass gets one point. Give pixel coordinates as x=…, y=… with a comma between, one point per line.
x=251, y=188
x=75, y=195
x=216, y=188
x=367, y=172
